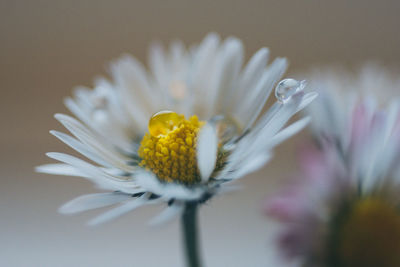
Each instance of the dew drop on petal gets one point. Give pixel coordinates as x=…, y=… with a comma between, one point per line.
x=163, y=122
x=287, y=88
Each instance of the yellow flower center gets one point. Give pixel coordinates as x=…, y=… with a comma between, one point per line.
x=370, y=236
x=169, y=149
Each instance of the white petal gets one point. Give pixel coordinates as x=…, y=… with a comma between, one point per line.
x=157, y=62
x=307, y=99
x=268, y=126
x=252, y=104
x=207, y=146
x=149, y=182
x=77, y=110
x=98, y=175
x=254, y=69
x=60, y=169
x=203, y=66
x=168, y=214
x=118, y=211
x=177, y=55
x=222, y=80
x=289, y=131
x=392, y=118
x=275, y=113
x=132, y=83
x=95, y=142
x=131, y=75
x=118, y=121
x=81, y=148
x=83, y=165
x=273, y=121
x=92, y=201
x=251, y=165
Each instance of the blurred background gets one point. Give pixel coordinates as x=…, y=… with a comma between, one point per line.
x=48, y=47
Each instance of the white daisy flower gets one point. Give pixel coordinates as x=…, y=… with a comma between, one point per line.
x=179, y=132
x=343, y=207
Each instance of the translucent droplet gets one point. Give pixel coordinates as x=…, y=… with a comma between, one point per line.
x=287, y=88
x=227, y=128
x=163, y=122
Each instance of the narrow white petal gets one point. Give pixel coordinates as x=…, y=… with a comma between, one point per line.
x=307, y=99
x=95, y=142
x=254, y=69
x=97, y=175
x=392, y=118
x=177, y=54
x=273, y=121
x=262, y=134
x=251, y=165
x=168, y=214
x=77, y=110
x=84, y=166
x=289, y=131
x=157, y=63
x=252, y=104
x=131, y=83
x=131, y=78
x=60, y=169
x=149, y=182
x=81, y=148
x=121, y=126
x=118, y=211
x=92, y=201
x=207, y=146
x=203, y=66
x=222, y=80
x=272, y=112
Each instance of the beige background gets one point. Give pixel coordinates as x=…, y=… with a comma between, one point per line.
x=48, y=47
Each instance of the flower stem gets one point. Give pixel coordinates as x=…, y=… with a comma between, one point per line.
x=189, y=228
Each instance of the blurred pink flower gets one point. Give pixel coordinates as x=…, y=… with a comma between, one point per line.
x=349, y=173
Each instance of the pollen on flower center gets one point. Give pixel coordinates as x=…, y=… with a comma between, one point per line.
x=169, y=149
x=371, y=235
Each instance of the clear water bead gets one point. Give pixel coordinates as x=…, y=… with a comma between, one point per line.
x=287, y=88
x=163, y=122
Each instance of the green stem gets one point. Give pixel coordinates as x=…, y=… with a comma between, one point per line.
x=189, y=228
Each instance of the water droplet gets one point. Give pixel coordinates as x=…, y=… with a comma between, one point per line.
x=227, y=128
x=163, y=122
x=287, y=88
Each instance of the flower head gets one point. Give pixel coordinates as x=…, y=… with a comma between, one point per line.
x=179, y=132
x=342, y=210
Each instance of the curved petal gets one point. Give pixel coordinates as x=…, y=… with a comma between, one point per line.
x=119, y=211
x=168, y=214
x=92, y=201
x=207, y=149
x=166, y=191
